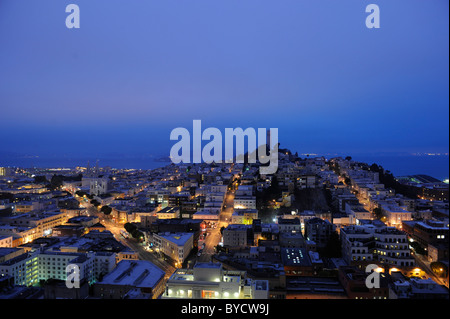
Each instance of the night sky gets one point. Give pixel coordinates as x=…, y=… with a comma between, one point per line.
x=135, y=70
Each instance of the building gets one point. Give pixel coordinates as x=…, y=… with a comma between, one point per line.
x=290, y=225
x=366, y=244
x=68, y=230
x=354, y=282
x=9, y=253
x=168, y=213
x=438, y=252
x=22, y=268
x=129, y=275
x=42, y=223
x=245, y=190
x=245, y=202
x=244, y=216
x=357, y=244
x=52, y=265
x=6, y=241
x=235, y=235
x=20, y=234
x=211, y=281
x=6, y=171
x=417, y=288
x=358, y=211
x=307, y=181
x=99, y=186
x=176, y=246
x=30, y=268
x=28, y=206
x=392, y=248
x=292, y=240
x=427, y=232
x=395, y=215
x=319, y=231
x=57, y=289
x=207, y=216
x=299, y=262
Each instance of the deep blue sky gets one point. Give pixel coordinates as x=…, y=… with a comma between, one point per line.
x=137, y=69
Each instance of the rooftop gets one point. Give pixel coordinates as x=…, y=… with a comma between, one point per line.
x=295, y=257
x=136, y=273
x=208, y=265
x=177, y=238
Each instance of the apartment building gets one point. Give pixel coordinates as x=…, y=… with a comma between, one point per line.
x=319, y=231
x=244, y=216
x=365, y=244
x=235, y=235
x=245, y=202
x=176, y=246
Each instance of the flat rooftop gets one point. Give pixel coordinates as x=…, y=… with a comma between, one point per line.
x=208, y=265
x=6, y=251
x=136, y=273
x=295, y=257
x=177, y=238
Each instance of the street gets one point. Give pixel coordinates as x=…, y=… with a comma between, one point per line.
x=214, y=235
x=423, y=263
x=212, y=239
x=143, y=254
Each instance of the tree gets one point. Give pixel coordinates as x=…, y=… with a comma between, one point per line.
x=95, y=202
x=129, y=227
x=80, y=193
x=106, y=210
x=40, y=180
x=378, y=212
x=417, y=248
x=439, y=268
x=348, y=181
x=137, y=234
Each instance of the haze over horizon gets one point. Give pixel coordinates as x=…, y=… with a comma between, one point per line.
x=136, y=70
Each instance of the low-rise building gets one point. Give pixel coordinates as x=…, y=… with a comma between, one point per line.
x=245, y=202
x=427, y=232
x=235, y=235
x=244, y=216
x=368, y=243
x=6, y=241
x=168, y=213
x=211, y=281
x=129, y=275
x=176, y=246
x=319, y=231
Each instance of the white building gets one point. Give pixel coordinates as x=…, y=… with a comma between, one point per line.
x=235, y=235
x=368, y=243
x=396, y=215
x=211, y=281
x=244, y=216
x=29, y=268
x=245, y=202
x=177, y=246
x=6, y=241
x=99, y=186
